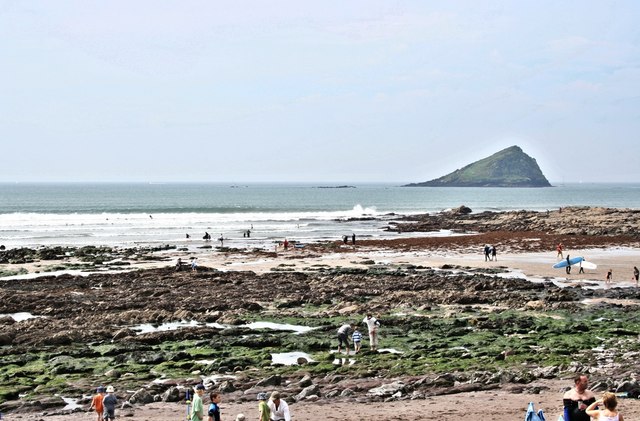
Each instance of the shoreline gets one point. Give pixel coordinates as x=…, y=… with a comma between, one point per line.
x=342, y=278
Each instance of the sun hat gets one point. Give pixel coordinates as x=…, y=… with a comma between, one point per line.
x=262, y=396
x=275, y=395
x=110, y=389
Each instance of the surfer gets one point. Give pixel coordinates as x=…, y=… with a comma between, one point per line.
x=581, y=268
x=568, y=268
x=636, y=274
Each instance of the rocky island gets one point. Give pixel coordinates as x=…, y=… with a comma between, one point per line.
x=510, y=167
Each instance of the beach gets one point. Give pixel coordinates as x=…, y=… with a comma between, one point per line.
x=445, y=261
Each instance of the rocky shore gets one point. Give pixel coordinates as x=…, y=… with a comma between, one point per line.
x=446, y=329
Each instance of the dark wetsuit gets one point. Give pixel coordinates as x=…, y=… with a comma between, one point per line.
x=572, y=411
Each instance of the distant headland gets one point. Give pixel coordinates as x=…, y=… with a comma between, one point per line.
x=510, y=167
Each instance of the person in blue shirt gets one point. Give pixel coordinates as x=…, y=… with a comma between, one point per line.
x=357, y=339
x=214, y=408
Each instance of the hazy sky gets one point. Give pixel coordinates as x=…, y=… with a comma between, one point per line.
x=401, y=91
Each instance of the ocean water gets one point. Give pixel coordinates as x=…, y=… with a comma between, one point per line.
x=133, y=214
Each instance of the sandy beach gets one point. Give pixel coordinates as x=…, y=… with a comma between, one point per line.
x=462, y=255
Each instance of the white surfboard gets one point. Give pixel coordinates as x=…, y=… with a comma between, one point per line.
x=588, y=265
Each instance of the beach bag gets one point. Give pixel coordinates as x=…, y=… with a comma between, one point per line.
x=531, y=414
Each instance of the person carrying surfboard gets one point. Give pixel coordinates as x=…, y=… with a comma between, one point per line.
x=568, y=268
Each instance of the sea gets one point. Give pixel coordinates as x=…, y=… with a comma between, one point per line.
x=255, y=215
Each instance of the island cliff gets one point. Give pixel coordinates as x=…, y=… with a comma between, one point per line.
x=510, y=167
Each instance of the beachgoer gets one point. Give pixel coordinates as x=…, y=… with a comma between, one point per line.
x=285, y=244
x=487, y=252
x=494, y=254
x=609, y=276
x=559, y=249
x=344, y=239
x=279, y=408
x=109, y=403
x=96, y=402
x=194, y=264
x=197, y=407
x=248, y=233
x=357, y=339
x=581, y=268
x=577, y=400
x=372, y=326
x=353, y=238
x=343, y=336
x=179, y=264
x=263, y=408
x=609, y=413
x=187, y=235
x=636, y=274
x=568, y=267
x=206, y=236
x=214, y=408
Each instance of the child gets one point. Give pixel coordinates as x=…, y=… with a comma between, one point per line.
x=109, y=402
x=357, y=339
x=214, y=409
x=96, y=402
x=263, y=408
x=609, y=413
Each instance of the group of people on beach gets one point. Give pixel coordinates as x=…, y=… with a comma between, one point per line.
x=104, y=403
x=490, y=253
x=609, y=276
x=351, y=330
x=580, y=403
x=273, y=409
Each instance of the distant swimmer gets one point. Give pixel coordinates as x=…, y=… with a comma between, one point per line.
x=151, y=217
x=188, y=236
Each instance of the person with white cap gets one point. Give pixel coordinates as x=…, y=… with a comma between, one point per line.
x=263, y=408
x=109, y=403
x=279, y=408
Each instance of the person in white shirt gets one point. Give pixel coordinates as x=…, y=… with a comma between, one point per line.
x=279, y=408
x=372, y=325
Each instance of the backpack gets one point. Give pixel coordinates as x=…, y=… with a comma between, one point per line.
x=531, y=414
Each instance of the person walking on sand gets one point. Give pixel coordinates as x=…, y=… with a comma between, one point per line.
x=353, y=239
x=109, y=403
x=96, y=402
x=487, y=252
x=568, y=267
x=194, y=264
x=559, y=249
x=372, y=326
x=343, y=336
x=494, y=254
x=576, y=400
x=279, y=408
x=636, y=274
x=263, y=408
x=609, y=276
x=609, y=413
x=285, y=244
x=197, y=407
x=214, y=407
x=581, y=268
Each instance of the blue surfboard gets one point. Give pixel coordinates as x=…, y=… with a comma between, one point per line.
x=563, y=263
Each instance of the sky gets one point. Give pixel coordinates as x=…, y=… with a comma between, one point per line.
x=301, y=91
